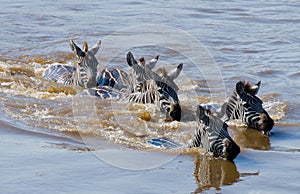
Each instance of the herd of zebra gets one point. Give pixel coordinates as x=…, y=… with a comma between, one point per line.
x=143, y=85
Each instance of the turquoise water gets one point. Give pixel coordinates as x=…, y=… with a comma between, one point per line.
x=53, y=142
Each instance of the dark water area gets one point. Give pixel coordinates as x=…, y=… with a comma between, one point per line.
x=56, y=141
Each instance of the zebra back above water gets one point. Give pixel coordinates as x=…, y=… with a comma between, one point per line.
x=212, y=135
x=83, y=74
x=62, y=74
x=245, y=105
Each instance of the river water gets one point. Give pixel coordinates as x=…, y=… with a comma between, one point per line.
x=53, y=139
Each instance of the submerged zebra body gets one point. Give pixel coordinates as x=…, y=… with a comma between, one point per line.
x=212, y=135
x=245, y=105
x=83, y=74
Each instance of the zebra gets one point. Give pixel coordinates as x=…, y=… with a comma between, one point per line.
x=212, y=135
x=116, y=83
x=245, y=105
x=141, y=85
x=156, y=88
x=83, y=74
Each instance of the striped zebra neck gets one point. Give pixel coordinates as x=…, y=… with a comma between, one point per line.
x=146, y=92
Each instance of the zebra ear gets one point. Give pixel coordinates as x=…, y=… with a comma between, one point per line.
x=240, y=89
x=76, y=49
x=200, y=112
x=130, y=59
x=256, y=87
x=95, y=48
x=153, y=62
x=85, y=47
x=175, y=72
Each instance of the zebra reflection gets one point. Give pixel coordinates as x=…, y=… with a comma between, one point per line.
x=211, y=172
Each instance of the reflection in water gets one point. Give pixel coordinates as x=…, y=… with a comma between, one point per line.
x=250, y=138
x=211, y=172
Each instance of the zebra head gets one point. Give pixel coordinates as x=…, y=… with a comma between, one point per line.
x=212, y=135
x=154, y=87
x=85, y=75
x=253, y=113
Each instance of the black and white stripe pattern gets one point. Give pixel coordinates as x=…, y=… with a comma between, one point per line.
x=245, y=105
x=115, y=78
x=156, y=88
x=152, y=91
x=123, y=81
x=140, y=68
x=60, y=74
x=142, y=85
x=84, y=74
x=212, y=135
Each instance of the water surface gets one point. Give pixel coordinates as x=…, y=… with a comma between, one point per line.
x=49, y=142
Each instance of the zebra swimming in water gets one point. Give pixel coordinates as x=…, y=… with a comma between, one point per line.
x=116, y=83
x=211, y=134
x=245, y=105
x=139, y=86
x=157, y=88
x=83, y=74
